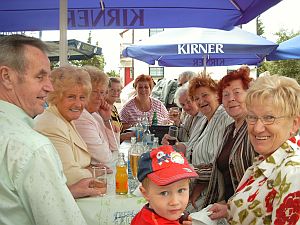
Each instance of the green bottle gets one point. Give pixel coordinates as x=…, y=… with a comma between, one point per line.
x=154, y=119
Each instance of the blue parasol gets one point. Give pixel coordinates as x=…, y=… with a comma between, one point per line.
x=289, y=49
x=201, y=47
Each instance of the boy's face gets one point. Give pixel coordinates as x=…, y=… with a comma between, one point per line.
x=167, y=201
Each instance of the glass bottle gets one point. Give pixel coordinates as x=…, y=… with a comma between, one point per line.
x=121, y=175
x=144, y=120
x=147, y=137
x=154, y=119
x=139, y=130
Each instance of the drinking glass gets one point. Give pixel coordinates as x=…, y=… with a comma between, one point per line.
x=173, y=133
x=134, y=157
x=100, y=179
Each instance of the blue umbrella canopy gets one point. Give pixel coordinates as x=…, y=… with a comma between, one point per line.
x=35, y=15
x=201, y=47
x=289, y=49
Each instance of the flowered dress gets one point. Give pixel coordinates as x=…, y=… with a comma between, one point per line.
x=269, y=192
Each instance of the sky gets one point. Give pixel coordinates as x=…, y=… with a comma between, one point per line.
x=284, y=15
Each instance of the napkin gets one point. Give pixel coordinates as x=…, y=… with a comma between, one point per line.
x=202, y=217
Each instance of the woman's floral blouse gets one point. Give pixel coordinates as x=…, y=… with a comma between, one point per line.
x=269, y=192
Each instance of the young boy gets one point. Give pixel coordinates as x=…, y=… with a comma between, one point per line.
x=165, y=175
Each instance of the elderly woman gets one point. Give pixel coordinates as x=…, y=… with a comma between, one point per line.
x=236, y=153
x=72, y=87
x=187, y=124
x=96, y=130
x=143, y=103
x=113, y=94
x=269, y=191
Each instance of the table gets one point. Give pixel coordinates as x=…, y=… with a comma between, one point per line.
x=111, y=209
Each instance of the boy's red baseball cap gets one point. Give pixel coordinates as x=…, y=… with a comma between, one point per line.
x=164, y=166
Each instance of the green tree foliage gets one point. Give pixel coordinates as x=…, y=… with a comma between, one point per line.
x=289, y=68
x=113, y=73
x=260, y=28
x=97, y=61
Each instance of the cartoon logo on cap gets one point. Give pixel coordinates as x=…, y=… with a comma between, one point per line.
x=162, y=157
x=175, y=157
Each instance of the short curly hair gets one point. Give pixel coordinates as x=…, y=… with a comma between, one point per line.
x=98, y=77
x=144, y=78
x=242, y=74
x=66, y=77
x=201, y=80
x=284, y=92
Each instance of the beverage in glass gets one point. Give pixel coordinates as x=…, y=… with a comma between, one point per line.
x=173, y=133
x=100, y=179
x=134, y=159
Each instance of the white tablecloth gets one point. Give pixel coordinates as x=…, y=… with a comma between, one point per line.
x=111, y=209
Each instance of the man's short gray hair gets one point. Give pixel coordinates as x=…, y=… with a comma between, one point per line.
x=12, y=50
x=187, y=75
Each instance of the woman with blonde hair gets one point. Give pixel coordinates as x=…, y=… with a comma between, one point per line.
x=72, y=87
x=269, y=191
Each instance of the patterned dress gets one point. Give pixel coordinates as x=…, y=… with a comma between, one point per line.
x=130, y=113
x=269, y=192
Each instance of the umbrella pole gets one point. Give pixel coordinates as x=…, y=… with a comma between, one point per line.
x=63, y=26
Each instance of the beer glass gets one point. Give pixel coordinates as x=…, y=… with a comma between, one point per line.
x=173, y=133
x=134, y=157
x=100, y=179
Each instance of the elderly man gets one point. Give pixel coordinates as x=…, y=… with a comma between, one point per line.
x=32, y=184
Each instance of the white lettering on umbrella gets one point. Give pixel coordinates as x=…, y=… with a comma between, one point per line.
x=199, y=48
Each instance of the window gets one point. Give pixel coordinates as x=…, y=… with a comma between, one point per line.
x=156, y=72
x=155, y=31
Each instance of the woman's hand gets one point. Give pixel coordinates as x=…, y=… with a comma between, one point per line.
x=218, y=211
x=105, y=110
x=196, y=192
x=127, y=136
x=165, y=141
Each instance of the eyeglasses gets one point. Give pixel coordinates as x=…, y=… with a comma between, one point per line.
x=266, y=120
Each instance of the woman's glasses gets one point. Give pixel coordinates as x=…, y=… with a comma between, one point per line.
x=266, y=120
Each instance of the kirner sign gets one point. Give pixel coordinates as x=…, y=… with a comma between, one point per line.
x=186, y=49
x=111, y=18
